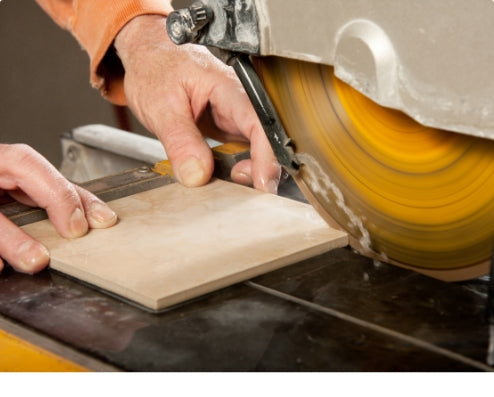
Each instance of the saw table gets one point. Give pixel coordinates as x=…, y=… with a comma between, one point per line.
x=335, y=312
x=338, y=311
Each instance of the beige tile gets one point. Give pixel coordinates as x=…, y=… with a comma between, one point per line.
x=175, y=243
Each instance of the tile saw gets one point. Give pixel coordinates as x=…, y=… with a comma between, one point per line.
x=382, y=110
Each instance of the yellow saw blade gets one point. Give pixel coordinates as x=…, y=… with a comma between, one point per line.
x=407, y=194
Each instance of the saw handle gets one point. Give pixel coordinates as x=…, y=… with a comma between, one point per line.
x=280, y=142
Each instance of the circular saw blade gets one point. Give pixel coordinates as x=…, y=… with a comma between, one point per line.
x=407, y=194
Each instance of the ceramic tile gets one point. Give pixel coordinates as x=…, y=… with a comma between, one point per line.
x=174, y=243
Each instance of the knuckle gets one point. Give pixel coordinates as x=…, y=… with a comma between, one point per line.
x=85, y=196
x=16, y=152
x=65, y=194
x=25, y=154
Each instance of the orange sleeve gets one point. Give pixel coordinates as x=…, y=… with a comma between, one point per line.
x=95, y=24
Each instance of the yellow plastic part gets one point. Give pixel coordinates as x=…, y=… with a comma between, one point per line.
x=163, y=167
x=406, y=193
x=231, y=148
x=17, y=355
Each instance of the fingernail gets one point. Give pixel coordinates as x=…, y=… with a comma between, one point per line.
x=272, y=186
x=242, y=178
x=32, y=257
x=78, y=224
x=101, y=216
x=191, y=172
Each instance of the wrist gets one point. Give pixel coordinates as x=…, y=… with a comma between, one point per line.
x=139, y=34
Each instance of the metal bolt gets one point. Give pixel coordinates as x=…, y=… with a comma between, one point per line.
x=144, y=169
x=185, y=25
x=72, y=153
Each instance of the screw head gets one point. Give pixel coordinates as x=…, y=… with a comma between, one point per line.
x=72, y=153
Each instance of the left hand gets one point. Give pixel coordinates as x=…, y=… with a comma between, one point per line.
x=29, y=178
x=182, y=92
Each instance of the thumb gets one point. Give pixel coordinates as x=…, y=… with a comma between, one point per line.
x=188, y=152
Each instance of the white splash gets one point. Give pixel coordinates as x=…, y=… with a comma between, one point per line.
x=320, y=183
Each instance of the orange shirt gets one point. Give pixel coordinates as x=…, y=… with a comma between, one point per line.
x=95, y=24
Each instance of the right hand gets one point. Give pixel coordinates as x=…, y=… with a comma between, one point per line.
x=29, y=178
x=182, y=93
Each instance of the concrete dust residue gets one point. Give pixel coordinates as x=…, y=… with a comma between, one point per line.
x=320, y=183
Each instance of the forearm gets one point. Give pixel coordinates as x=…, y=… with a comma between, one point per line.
x=95, y=24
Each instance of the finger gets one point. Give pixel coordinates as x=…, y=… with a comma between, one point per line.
x=238, y=115
x=208, y=128
x=188, y=152
x=23, y=198
x=24, y=169
x=98, y=214
x=242, y=173
x=266, y=171
x=20, y=250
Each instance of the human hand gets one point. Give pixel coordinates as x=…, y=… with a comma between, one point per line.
x=181, y=93
x=29, y=178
